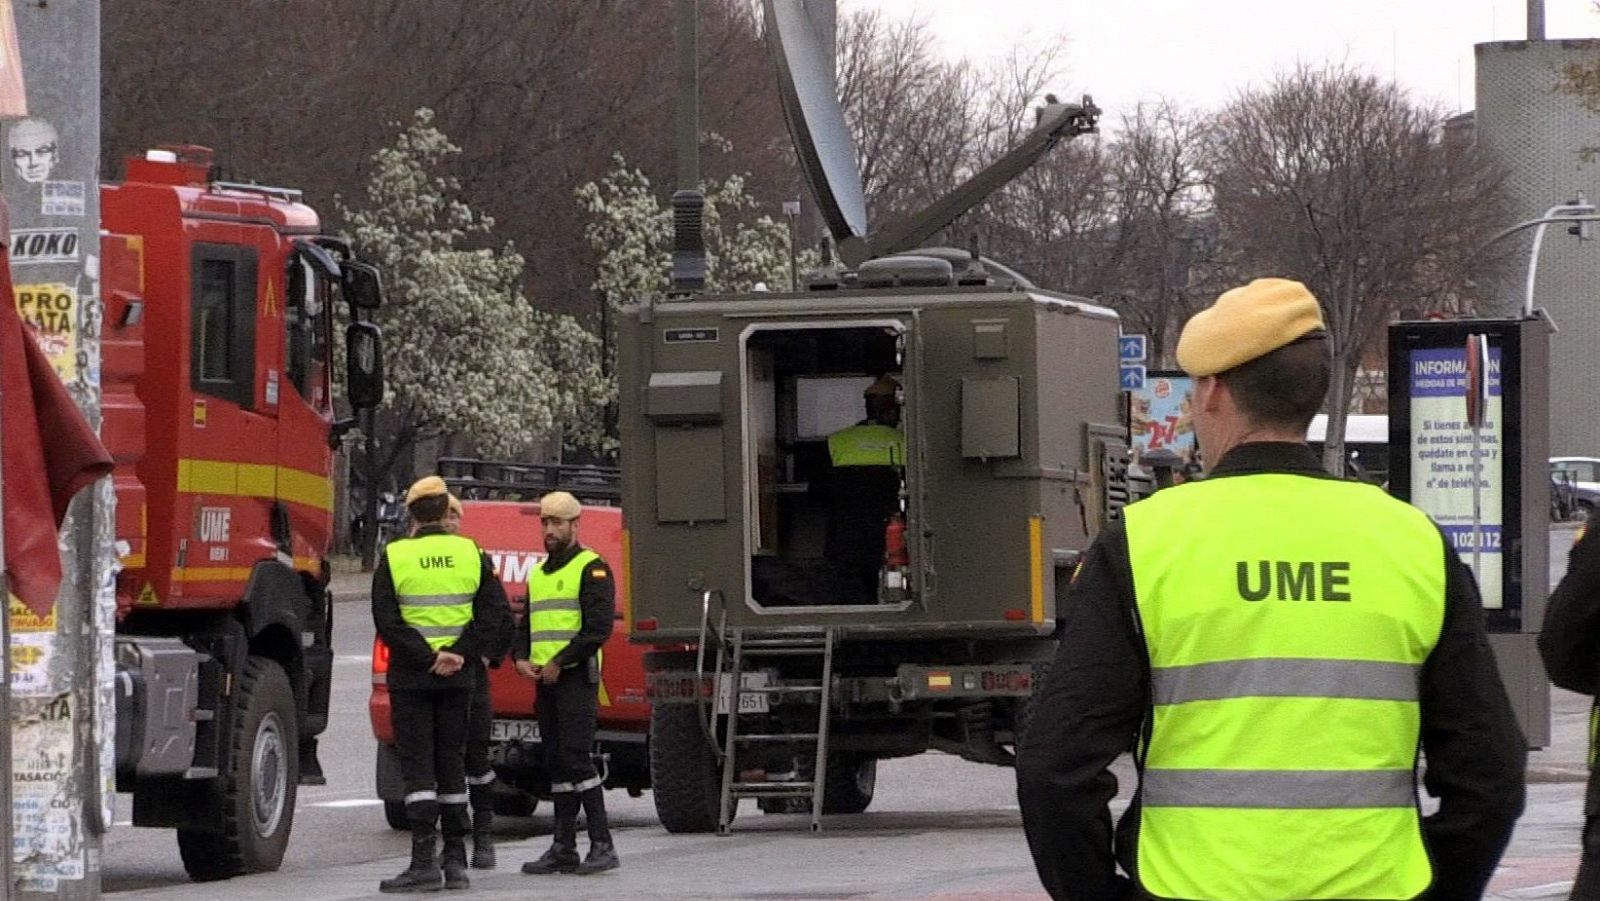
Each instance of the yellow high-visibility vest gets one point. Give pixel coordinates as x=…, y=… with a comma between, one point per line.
x=867, y=445
x=1287, y=619
x=435, y=579
x=554, y=616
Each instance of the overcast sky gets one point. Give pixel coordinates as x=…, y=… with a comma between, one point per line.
x=1200, y=52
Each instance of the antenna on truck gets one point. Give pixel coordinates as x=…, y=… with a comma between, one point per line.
x=827, y=154
x=688, y=202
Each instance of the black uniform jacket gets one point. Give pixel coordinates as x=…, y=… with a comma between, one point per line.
x=1570, y=639
x=597, y=602
x=1097, y=697
x=409, y=654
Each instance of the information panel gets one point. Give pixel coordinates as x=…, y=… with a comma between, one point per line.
x=1443, y=464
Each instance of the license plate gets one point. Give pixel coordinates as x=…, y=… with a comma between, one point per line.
x=752, y=702
x=514, y=730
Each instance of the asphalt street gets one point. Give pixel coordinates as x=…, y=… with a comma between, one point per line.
x=939, y=828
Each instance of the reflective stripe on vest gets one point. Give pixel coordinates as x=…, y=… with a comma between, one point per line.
x=867, y=445
x=1287, y=619
x=435, y=579
x=554, y=615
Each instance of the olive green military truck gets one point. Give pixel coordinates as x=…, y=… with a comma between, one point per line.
x=997, y=450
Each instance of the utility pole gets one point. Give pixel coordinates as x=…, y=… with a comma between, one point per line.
x=61, y=728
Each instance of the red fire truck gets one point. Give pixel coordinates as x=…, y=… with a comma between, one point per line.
x=218, y=409
x=501, y=513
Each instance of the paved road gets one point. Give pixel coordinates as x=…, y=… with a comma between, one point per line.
x=940, y=828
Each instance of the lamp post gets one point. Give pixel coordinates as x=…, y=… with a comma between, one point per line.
x=1578, y=211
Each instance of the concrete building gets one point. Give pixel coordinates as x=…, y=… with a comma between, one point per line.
x=1540, y=133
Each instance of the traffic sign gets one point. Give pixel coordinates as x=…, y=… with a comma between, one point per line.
x=1132, y=378
x=1130, y=349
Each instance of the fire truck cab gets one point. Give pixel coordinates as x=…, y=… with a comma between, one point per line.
x=219, y=412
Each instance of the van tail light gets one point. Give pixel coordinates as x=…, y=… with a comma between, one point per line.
x=646, y=625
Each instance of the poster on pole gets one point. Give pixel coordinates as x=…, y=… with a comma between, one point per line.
x=1161, y=416
x=1443, y=468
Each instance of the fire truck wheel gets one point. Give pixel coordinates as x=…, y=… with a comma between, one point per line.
x=255, y=797
x=851, y=780
x=683, y=770
x=394, y=813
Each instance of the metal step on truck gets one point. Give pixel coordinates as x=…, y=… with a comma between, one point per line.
x=500, y=511
x=853, y=510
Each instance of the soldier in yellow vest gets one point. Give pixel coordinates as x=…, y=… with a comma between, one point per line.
x=1569, y=642
x=1277, y=646
x=863, y=489
x=571, y=608
x=437, y=604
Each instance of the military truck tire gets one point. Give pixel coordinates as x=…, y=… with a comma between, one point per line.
x=851, y=781
x=683, y=770
x=519, y=804
x=256, y=795
x=394, y=813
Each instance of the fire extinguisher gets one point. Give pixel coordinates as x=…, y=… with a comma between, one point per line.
x=896, y=558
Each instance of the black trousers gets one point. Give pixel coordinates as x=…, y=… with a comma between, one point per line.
x=567, y=712
x=430, y=728
x=480, y=717
x=1587, y=885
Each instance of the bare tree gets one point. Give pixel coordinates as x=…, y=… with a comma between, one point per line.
x=1337, y=179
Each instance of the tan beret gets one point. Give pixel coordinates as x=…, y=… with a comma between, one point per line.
x=427, y=486
x=1247, y=323
x=455, y=505
x=560, y=505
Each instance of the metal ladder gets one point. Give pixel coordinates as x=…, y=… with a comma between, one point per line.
x=738, y=647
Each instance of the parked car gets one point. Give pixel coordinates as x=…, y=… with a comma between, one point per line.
x=1583, y=474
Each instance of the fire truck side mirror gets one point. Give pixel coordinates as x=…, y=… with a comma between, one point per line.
x=363, y=365
x=362, y=286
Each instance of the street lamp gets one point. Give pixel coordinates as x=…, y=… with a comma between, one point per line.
x=1577, y=210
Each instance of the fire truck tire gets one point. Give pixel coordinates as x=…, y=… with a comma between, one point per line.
x=394, y=813
x=683, y=770
x=851, y=781
x=257, y=793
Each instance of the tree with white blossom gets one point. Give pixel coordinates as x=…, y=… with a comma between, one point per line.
x=630, y=232
x=465, y=352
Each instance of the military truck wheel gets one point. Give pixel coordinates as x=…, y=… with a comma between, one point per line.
x=518, y=804
x=683, y=770
x=254, y=799
x=394, y=813
x=851, y=781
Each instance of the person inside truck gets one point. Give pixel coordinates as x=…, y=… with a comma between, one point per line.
x=437, y=604
x=863, y=489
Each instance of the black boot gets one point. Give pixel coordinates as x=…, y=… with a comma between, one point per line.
x=602, y=853
x=482, y=826
x=602, y=857
x=423, y=874
x=456, y=825
x=563, y=854
x=310, y=767
x=454, y=861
